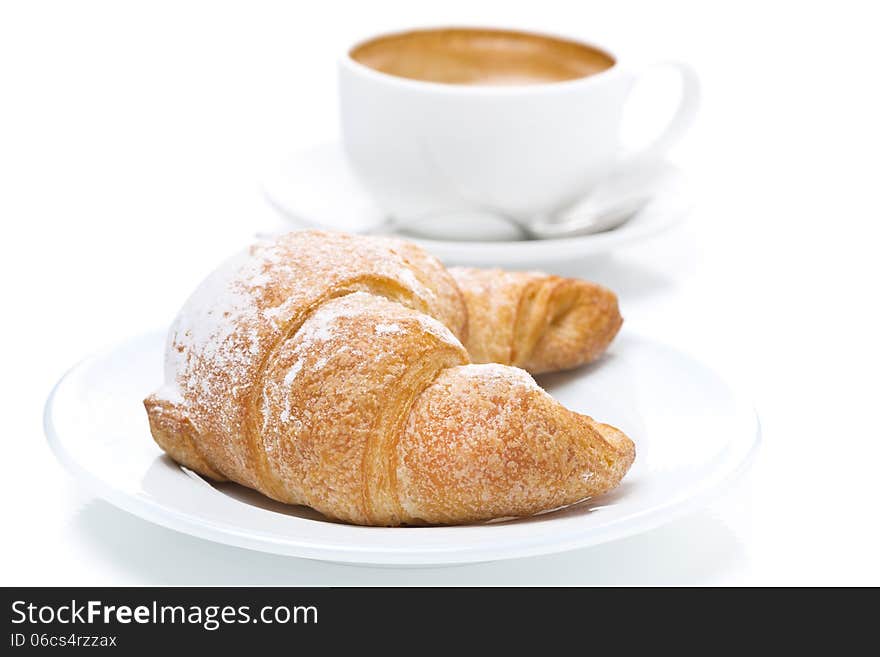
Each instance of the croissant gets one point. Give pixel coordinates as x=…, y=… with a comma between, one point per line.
x=536, y=321
x=330, y=370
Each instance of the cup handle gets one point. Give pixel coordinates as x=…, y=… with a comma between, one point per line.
x=681, y=121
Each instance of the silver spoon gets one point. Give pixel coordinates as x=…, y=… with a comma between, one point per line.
x=607, y=207
x=613, y=204
x=586, y=220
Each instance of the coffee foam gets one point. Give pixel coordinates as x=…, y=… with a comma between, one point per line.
x=480, y=57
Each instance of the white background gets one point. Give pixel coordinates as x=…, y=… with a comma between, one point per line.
x=132, y=136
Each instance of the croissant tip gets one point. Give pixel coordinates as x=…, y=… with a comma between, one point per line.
x=174, y=433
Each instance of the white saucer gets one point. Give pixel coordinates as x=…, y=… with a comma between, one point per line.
x=693, y=435
x=316, y=188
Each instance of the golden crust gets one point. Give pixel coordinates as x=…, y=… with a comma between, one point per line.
x=484, y=441
x=328, y=370
x=335, y=398
x=174, y=433
x=536, y=321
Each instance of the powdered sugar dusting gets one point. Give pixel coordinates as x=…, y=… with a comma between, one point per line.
x=409, y=279
x=170, y=393
x=320, y=326
x=504, y=373
x=388, y=328
x=438, y=330
x=242, y=312
x=317, y=330
x=290, y=377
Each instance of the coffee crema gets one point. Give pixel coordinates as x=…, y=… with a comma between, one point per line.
x=471, y=56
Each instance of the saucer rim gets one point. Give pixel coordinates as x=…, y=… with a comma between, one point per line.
x=522, y=250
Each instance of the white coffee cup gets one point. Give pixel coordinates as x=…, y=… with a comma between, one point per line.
x=427, y=149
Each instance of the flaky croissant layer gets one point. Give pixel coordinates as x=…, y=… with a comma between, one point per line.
x=330, y=370
x=536, y=321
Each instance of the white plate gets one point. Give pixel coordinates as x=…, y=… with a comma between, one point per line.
x=693, y=437
x=316, y=188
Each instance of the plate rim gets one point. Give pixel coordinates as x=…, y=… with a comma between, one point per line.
x=709, y=488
